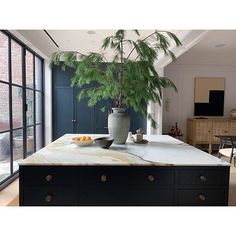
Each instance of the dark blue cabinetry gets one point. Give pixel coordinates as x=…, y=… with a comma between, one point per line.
x=73, y=116
x=123, y=186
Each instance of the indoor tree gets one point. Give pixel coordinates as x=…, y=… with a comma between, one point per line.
x=129, y=79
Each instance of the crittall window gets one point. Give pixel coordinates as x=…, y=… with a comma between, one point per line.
x=21, y=105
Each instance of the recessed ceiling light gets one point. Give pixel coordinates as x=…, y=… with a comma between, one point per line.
x=91, y=32
x=220, y=45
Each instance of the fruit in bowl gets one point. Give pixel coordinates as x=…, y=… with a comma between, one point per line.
x=82, y=141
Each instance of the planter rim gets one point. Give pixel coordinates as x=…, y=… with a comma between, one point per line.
x=118, y=109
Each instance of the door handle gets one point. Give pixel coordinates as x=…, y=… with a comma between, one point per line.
x=73, y=121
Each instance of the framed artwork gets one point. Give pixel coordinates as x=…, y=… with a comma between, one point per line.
x=209, y=95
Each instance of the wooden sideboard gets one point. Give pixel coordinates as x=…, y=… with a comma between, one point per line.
x=203, y=131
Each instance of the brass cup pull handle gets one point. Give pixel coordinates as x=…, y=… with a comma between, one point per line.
x=48, y=198
x=103, y=178
x=48, y=178
x=202, y=196
x=151, y=178
x=203, y=178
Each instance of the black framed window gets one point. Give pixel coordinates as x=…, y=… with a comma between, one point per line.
x=21, y=104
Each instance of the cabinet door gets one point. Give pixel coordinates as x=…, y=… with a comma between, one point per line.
x=100, y=117
x=219, y=127
x=232, y=127
x=203, y=130
x=84, y=115
x=63, y=112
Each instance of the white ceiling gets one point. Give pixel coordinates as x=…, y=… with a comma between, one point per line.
x=79, y=40
x=217, y=37
x=207, y=52
x=197, y=44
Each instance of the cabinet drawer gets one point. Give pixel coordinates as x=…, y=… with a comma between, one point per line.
x=49, y=176
x=202, y=197
x=50, y=196
x=202, y=177
x=126, y=196
x=127, y=176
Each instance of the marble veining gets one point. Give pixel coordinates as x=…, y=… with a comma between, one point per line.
x=161, y=150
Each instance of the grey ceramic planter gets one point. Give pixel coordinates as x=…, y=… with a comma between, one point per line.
x=119, y=125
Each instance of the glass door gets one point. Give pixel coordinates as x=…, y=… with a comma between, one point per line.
x=21, y=105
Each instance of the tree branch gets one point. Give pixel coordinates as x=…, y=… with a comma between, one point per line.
x=142, y=40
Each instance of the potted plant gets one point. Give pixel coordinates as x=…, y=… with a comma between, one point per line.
x=129, y=78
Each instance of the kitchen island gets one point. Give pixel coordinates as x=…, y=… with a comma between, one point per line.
x=163, y=172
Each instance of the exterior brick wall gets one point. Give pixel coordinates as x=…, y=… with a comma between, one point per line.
x=16, y=58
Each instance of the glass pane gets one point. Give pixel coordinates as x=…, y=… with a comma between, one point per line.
x=17, y=107
x=30, y=107
x=38, y=73
x=3, y=57
x=29, y=69
x=4, y=107
x=16, y=62
x=5, y=155
x=39, y=107
x=39, y=137
x=30, y=141
x=17, y=148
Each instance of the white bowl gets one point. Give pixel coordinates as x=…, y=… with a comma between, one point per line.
x=82, y=143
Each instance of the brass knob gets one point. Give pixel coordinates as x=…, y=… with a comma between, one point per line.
x=203, y=178
x=48, y=178
x=151, y=178
x=103, y=178
x=48, y=198
x=202, y=197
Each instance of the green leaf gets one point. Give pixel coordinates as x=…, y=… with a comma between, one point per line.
x=131, y=82
x=103, y=109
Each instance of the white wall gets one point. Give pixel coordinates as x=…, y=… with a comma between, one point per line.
x=177, y=107
x=156, y=111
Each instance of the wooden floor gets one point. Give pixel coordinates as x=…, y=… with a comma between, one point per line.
x=10, y=195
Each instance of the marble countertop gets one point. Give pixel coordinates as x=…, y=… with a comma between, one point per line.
x=161, y=150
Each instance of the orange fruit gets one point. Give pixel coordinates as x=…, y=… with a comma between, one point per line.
x=88, y=138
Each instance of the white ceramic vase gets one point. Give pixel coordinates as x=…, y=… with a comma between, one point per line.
x=119, y=125
x=233, y=114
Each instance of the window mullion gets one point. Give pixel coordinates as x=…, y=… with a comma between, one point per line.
x=34, y=111
x=24, y=103
x=10, y=103
x=43, y=102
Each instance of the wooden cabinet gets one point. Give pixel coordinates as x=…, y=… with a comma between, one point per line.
x=203, y=131
x=232, y=127
x=219, y=127
x=202, y=186
x=123, y=185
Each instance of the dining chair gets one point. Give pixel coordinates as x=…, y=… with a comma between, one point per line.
x=230, y=150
